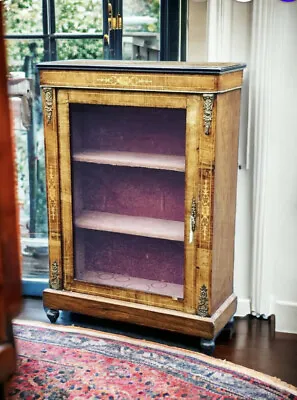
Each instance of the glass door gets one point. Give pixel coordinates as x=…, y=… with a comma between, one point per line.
x=126, y=154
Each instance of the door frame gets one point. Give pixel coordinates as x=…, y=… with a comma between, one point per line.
x=191, y=103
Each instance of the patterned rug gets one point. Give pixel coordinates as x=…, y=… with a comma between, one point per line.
x=59, y=362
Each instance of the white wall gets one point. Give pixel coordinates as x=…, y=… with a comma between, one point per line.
x=197, y=40
x=280, y=251
x=262, y=33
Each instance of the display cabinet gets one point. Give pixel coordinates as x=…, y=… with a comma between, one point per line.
x=141, y=183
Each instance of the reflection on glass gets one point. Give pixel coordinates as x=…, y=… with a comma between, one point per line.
x=79, y=16
x=128, y=187
x=25, y=102
x=71, y=49
x=141, y=35
x=23, y=16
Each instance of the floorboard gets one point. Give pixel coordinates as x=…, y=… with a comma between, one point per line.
x=255, y=344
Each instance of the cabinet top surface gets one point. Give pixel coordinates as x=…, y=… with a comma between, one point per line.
x=143, y=66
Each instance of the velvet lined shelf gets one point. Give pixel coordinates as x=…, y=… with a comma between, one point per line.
x=132, y=159
x=131, y=225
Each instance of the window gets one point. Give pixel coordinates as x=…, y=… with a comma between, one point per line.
x=48, y=30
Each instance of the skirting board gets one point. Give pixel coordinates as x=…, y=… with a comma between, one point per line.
x=243, y=307
x=285, y=316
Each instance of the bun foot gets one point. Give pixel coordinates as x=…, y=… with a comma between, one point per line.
x=52, y=315
x=207, y=346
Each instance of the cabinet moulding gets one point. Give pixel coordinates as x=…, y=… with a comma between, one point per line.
x=148, y=90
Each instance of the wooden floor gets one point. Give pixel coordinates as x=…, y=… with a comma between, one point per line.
x=254, y=345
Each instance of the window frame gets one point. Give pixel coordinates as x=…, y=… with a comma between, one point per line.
x=173, y=31
x=49, y=35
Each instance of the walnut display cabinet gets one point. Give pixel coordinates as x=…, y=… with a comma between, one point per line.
x=141, y=181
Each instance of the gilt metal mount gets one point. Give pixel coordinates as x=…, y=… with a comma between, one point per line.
x=55, y=280
x=48, y=106
x=193, y=215
x=203, y=302
x=208, y=100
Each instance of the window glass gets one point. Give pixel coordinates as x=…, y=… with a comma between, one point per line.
x=70, y=49
x=23, y=54
x=25, y=102
x=141, y=34
x=23, y=16
x=78, y=16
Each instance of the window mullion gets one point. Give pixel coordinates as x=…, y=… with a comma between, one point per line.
x=52, y=30
x=46, y=43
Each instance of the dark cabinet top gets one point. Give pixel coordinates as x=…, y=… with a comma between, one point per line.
x=143, y=66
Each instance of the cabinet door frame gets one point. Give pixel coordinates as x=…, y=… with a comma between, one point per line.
x=192, y=105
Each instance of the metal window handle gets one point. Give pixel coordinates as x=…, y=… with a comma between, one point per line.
x=106, y=39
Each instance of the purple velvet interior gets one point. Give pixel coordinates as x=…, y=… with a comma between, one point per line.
x=141, y=257
x=130, y=191
x=136, y=129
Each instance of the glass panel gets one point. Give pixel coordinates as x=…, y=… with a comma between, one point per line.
x=141, y=30
x=23, y=55
x=71, y=49
x=25, y=103
x=78, y=16
x=23, y=16
x=128, y=196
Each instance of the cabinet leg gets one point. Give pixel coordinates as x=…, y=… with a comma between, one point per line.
x=229, y=329
x=53, y=315
x=207, y=346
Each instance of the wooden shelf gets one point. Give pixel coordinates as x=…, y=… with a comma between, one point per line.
x=138, y=226
x=131, y=282
x=131, y=159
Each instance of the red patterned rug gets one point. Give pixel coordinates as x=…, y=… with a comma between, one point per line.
x=59, y=362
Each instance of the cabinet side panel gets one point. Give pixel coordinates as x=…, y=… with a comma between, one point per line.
x=228, y=109
x=53, y=186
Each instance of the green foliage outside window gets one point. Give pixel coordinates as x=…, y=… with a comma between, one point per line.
x=72, y=16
